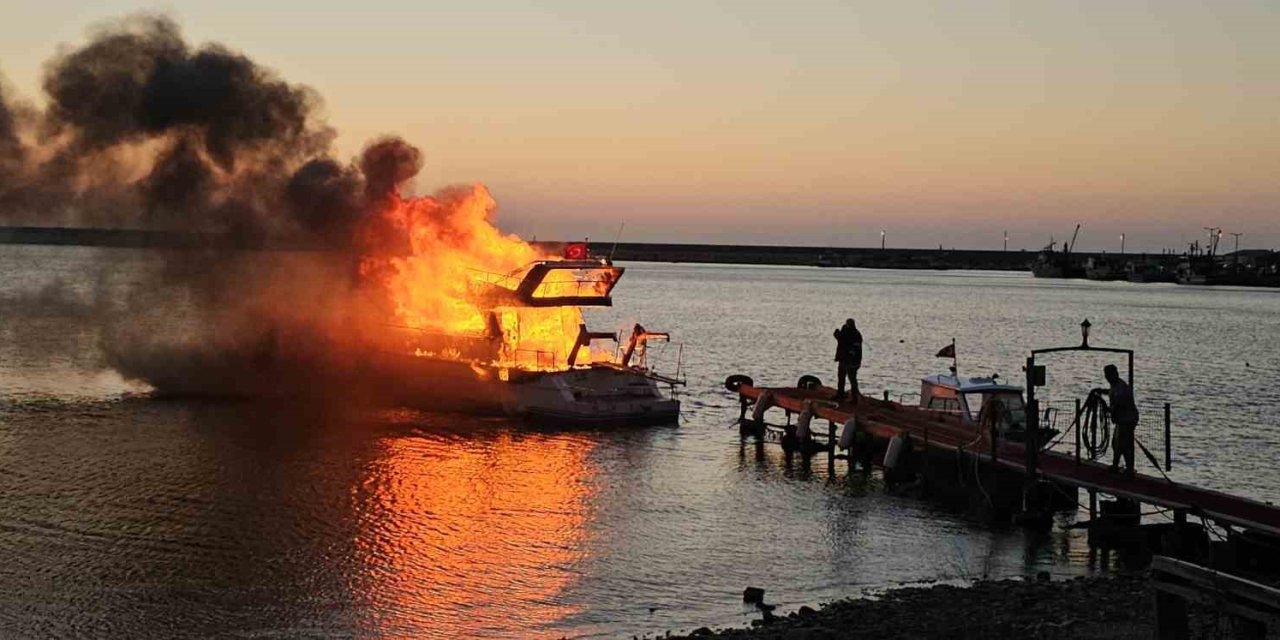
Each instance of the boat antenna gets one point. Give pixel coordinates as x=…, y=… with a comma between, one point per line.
x=615, y=240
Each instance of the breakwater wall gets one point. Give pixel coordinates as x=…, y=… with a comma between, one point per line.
x=874, y=257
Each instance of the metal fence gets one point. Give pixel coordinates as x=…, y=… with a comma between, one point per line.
x=1152, y=433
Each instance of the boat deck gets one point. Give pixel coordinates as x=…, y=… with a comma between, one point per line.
x=936, y=430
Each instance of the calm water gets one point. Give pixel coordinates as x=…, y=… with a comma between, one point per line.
x=134, y=517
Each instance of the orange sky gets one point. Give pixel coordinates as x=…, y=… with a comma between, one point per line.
x=814, y=123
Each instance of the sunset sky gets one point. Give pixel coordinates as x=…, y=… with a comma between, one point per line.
x=814, y=122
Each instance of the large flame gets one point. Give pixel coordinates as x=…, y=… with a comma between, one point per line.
x=439, y=286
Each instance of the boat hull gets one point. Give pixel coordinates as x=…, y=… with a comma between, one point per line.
x=584, y=396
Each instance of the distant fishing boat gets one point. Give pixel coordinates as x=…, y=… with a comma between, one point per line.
x=1103, y=268
x=1149, y=271
x=1054, y=264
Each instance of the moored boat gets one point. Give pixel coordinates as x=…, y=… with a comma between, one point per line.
x=535, y=357
x=1103, y=268
x=983, y=401
x=1150, y=271
x=1058, y=264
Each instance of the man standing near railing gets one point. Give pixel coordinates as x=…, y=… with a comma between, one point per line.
x=1124, y=415
x=849, y=357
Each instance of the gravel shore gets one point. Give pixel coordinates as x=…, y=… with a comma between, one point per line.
x=1095, y=607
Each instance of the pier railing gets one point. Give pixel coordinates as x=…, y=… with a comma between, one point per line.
x=1254, y=606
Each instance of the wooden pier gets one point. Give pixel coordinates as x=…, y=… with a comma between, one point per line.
x=943, y=435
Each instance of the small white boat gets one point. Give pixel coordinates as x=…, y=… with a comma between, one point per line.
x=978, y=401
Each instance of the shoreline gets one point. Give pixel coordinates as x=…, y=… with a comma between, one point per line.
x=1105, y=606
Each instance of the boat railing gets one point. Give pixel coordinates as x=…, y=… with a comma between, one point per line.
x=550, y=283
x=574, y=287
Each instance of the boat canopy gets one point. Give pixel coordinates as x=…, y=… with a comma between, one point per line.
x=555, y=283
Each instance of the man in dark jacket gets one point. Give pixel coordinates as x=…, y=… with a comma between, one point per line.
x=1124, y=415
x=849, y=357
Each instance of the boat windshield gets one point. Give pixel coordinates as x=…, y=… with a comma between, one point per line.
x=1011, y=401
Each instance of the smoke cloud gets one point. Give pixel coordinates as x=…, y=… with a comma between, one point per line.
x=142, y=130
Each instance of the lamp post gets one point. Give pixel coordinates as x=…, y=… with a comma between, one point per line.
x=882, y=239
x=1122, y=244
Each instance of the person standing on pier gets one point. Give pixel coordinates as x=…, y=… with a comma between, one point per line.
x=1124, y=414
x=849, y=357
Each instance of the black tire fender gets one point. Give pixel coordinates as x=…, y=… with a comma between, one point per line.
x=735, y=382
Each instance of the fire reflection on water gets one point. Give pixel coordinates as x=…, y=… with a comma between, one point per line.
x=475, y=540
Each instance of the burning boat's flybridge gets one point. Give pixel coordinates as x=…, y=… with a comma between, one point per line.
x=534, y=356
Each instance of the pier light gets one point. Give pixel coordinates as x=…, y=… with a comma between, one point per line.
x=1084, y=333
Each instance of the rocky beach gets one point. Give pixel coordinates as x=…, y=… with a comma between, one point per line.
x=1116, y=606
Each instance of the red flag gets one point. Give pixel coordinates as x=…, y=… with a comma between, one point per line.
x=576, y=251
x=948, y=351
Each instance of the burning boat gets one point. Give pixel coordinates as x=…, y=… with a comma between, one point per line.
x=528, y=351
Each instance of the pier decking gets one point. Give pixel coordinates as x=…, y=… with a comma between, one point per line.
x=943, y=432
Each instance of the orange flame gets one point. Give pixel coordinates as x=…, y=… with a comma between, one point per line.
x=442, y=288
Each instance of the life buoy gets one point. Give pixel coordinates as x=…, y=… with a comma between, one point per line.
x=735, y=382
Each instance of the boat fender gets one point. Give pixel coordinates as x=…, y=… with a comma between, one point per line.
x=848, y=433
x=764, y=403
x=802, y=424
x=735, y=382
x=808, y=382
x=894, y=452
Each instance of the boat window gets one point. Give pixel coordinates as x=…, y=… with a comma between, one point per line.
x=943, y=404
x=1012, y=402
x=975, y=401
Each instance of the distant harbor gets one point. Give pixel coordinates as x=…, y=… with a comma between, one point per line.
x=1198, y=265
x=1257, y=267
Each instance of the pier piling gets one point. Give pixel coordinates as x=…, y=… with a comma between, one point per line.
x=1076, y=423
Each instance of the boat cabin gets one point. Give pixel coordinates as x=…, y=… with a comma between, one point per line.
x=966, y=398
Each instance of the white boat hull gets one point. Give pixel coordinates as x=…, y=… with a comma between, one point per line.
x=587, y=396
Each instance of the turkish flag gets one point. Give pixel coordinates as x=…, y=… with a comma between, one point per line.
x=576, y=251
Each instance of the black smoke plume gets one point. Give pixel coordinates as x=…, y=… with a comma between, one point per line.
x=388, y=163
x=143, y=130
